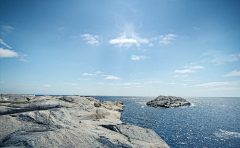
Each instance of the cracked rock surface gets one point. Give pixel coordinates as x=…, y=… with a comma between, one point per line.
x=69, y=121
x=168, y=102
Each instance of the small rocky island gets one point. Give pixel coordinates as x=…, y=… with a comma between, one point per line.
x=28, y=121
x=168, y=102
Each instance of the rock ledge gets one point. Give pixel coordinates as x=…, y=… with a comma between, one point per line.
x=69, y=121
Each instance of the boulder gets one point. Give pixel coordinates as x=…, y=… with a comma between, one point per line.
x=168, y=102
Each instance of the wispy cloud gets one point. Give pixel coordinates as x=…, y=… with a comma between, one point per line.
x=46, y=85
x=189, y=80
x=196, y=28
x=88, y=74
x=184, y=71
x=218, y=57
x=98, y=72
x=154, y=82
x=6, y=29
x=112, y=77
x=6, y=53
x=213, y=84
x=71, y=83
x=224, y=89
x=194, y=67
x=61, y=28
x=124, y=84
x=167, y=39
x=1, y=41
x=232, y=73
x=150, y=45
x=129, y=39
x=100, y=83
x=22, y=57
x=91, y=39
x=83, y=79
x=135, y=57
x=131, y=83
x=2, y=82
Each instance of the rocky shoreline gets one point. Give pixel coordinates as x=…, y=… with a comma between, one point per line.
x=69, y=121
x=168, y=102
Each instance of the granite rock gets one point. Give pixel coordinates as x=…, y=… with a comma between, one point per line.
x=168, y=102
x=69, y=121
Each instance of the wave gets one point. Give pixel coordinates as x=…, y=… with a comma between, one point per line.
x=141, y=102
x=227, y=134
x=192, y=105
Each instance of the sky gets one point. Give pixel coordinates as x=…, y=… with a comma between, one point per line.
x=120, y=47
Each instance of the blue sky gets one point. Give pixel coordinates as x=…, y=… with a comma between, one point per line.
x=126, y=48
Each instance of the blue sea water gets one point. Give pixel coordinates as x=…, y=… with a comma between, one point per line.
x=208, y=122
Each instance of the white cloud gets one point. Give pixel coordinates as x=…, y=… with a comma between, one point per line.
x=184, y=84
x=232, y=73
x=6, y=53
x=196, y=28
x=88, y=74
x=172, y=83
x=185, y=71
x=46, y=85
x=135, y=57
x=213, y=84
x=112, y=77
x=61, y=28
x=91, y=39
x=2, y=82
x=99, y=72
x=1, y=41
x=127, y=40
x=167, y=38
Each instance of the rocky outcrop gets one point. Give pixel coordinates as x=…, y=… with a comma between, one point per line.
x=69, y=121
x=168, y=101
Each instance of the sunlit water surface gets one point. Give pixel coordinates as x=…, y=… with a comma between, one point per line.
x=208, y=122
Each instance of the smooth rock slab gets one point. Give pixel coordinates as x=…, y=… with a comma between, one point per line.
x=168, y=101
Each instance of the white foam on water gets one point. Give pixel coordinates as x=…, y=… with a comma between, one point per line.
x=192, y=105
x=227, y=134
x=142, y=102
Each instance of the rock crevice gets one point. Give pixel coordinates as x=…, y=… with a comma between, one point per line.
x=69, y=121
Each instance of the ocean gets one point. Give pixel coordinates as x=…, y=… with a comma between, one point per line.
x=208, y=122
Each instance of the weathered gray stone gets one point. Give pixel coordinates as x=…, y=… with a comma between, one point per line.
x=72, y=121
x=16, y=98
x=168, y=101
